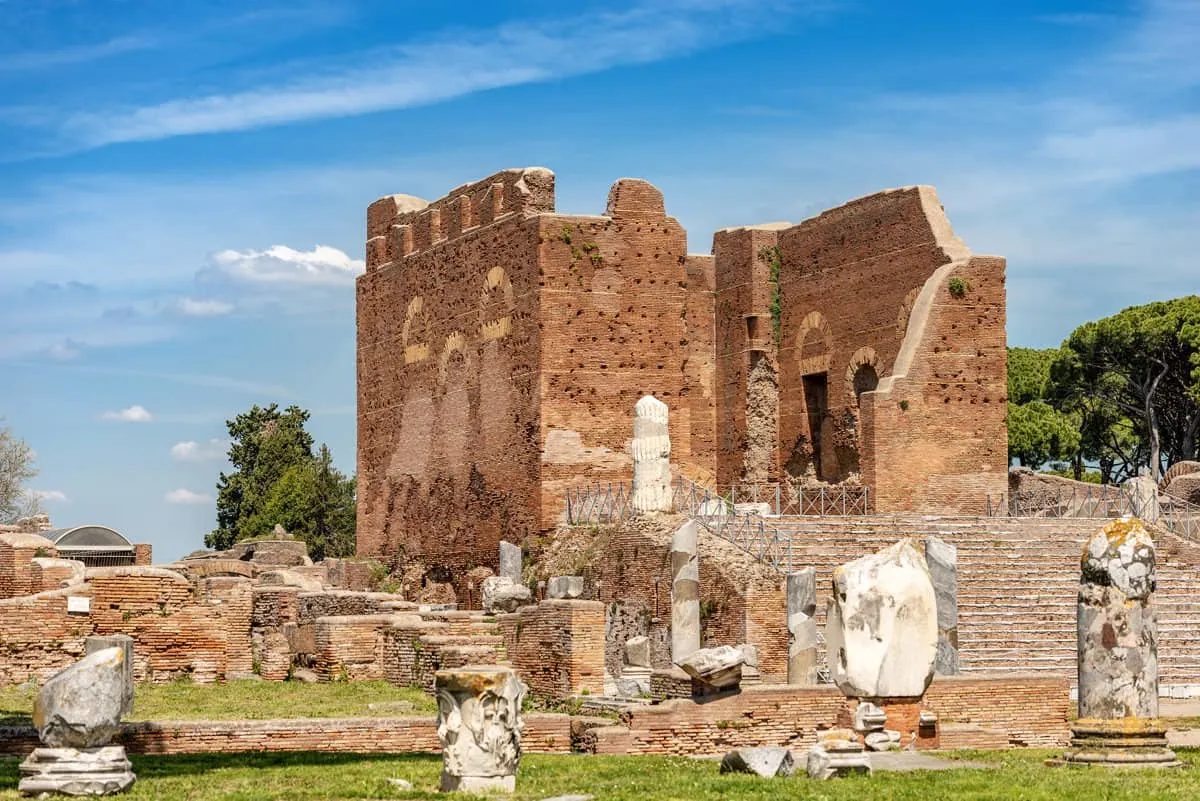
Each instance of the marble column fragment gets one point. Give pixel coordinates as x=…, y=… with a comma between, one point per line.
x=651, y=456
x=942, y=560
x=479, y=725
x=1118, y=651
x=802, y=627
x=97, y=642
x=510, y=561
x=685, y=592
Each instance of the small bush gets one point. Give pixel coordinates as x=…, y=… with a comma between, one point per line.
x=958, y=287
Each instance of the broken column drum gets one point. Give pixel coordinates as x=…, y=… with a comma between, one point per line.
x=479, y=725
x=802, y=627
x=651, y=456
x=942, y=560
x=1118, y=652
x=685, y=593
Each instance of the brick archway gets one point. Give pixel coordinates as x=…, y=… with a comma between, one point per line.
x=817, y=363
x=416, y=324
x=491, y=324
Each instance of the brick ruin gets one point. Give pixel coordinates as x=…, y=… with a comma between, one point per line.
x=502, y=346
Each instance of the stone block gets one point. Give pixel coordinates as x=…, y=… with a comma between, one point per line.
x=802, y=627
x=637, y=652
x=882, y=630
x=568, y=587
x=510, y=561
x=81, y=706
x=95, y=642
x=717, y=668
x=765, y=761
x=501, y=594
x=941, y=558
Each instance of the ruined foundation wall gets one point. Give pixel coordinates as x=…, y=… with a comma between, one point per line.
x=935, y=437
x=448, y=339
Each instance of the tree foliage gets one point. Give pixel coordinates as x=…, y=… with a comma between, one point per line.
x=1129, y=384
x=16, y=468
x=277, y=480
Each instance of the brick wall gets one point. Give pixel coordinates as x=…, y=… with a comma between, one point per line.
x=143, y=553
x=934, y=433
x=544, y=734
x=1032, y=710
x=557, y=647
x=17, y=552
x=350, y=647
x=500, y=356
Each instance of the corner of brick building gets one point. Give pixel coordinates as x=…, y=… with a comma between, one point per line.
x=501, y=349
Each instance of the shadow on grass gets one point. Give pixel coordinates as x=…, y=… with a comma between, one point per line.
x=166, y=766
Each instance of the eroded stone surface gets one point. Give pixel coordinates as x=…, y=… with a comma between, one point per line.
x=651, y=456
x=766, y=761
x=81, y=706
x=836, y=754
x=942, y=560
x=510, y=561
x=569, y=587
x=882, y=628
x=502, y=594
x=802, y=626
x=685, y=592
x=479, y=725
x=717, y=668
x=96, y=642
x=76, y=771
x=637, y=651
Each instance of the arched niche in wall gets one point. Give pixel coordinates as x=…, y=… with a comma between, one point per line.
x=455, y=366
x=496, y=305
x=414, y=338
x=862, y=374
x=814, y=343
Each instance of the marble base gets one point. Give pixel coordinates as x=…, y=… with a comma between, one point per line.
x=477, y=784
x=1123, y=742
x=76, y=771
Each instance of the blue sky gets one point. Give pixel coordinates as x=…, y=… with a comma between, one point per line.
x=183, y=192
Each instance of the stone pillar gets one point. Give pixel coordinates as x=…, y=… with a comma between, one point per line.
x=942, y=560
x=802, y=627
x=1118, y=652
x=95, y=643
x=510, y=562
x=651, y=456
x=685, y=593
x=479, y=726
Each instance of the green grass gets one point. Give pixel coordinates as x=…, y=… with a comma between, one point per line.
x=246, y=699
x=299, y=777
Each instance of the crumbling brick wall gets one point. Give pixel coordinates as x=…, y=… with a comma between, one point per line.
x=17, y=552
x=557, y=646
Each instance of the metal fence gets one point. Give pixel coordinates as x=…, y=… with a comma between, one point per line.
x=1102, y=501
x=782, y=499
x=599, y=504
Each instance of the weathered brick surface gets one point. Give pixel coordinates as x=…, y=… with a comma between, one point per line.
x=557, y=646
x=1031, y=709
x=544, y=734
x=17, y=552
x=501, y=349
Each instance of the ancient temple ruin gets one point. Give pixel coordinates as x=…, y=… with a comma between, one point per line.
x=502, y=345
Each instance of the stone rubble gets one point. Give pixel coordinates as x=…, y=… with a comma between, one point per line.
x=715, y=669
x=502, y=594
x=837, y=753
x=766, y=761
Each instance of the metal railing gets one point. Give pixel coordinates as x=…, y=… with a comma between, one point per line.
x=599, y=504
x=722, y=517
x=1101, y=502
x=775, y=500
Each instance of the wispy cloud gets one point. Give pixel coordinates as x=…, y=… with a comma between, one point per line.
x=67, y=56
x=191, y=451
x=134, y=414
x=281, y=264
x=186, y=496
x=191, y=307
x=452, y=66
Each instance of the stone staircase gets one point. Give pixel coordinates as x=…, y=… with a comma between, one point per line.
x=1018, y=579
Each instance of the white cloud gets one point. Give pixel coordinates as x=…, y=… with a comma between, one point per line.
x=186, y=496
x=134, y=414
x=191, y=451
x=49, y=495
x=442, y=68
x=191, y=307
x=280, y=264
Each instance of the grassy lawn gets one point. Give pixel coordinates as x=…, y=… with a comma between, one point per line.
x=246, y=699
x=1015, y=775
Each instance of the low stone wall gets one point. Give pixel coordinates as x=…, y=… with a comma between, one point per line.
x=544, y=734
x=557, y=646
x=1031, y=710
